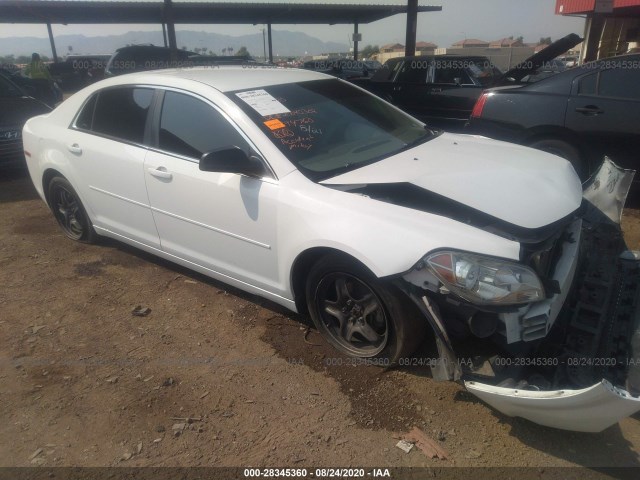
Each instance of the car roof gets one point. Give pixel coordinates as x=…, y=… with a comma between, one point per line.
x=142, y=47
x=593, y=66
x=440, y=57
x=561, y=81
x=224, y=78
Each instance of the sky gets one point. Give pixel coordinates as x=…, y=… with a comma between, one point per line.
x=459, y=19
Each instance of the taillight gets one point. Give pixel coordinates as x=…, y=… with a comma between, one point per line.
x=479, y=106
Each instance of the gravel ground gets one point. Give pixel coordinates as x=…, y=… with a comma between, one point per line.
x=213, y=376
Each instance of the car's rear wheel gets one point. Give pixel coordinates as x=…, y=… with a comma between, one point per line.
x=565, y=150
x=360, y=315
x=69, y=211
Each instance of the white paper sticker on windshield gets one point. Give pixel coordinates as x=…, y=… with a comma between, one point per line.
x=262, y=102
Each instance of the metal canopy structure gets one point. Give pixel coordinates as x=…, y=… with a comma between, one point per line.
x=83, y=12
x=168, y=13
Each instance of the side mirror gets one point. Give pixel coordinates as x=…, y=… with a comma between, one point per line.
x=233, y=160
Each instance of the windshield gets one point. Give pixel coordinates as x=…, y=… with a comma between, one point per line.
x=328, y=127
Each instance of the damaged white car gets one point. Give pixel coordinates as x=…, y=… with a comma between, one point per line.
x=317, y=195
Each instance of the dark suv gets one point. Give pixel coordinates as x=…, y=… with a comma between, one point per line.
x=343, y=67
x=441, y=90
x=137, y=58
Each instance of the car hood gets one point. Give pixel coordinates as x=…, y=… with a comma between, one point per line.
x=534, y=62
x=516, y=185
x=17, y=110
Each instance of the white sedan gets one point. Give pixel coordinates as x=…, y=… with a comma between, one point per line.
x=313, y=193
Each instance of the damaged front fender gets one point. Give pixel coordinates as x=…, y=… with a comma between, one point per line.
x=611, y=329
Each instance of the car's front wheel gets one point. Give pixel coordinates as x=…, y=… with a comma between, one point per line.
x=69, y=211
x=360, y=315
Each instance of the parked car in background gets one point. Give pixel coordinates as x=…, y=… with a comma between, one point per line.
x=344, y=68
x=546, y=70
x=78, y=71
x=570, y=61
x=441, y=90
x=45, y=91
x=16, y=107
x=220, y=60
x=581, y=114
x=137, y=58
x=321, y=197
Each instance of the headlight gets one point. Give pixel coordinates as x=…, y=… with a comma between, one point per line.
x=484, y=280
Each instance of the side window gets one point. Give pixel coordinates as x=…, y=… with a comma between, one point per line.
x=449, y=75
x=620, y=83
x=85, y=118
x=122, y=113
x=191, y=128
x=588, y=85
x=413, y=71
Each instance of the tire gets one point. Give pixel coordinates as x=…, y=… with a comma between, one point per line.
x=565, y=150
x=360, y=315
x=69, y=211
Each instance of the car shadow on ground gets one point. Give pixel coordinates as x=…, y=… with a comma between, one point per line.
x=606, y=449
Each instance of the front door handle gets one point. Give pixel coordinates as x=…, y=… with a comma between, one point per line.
x=75, y=148
x=160, y=172
x=590, y=110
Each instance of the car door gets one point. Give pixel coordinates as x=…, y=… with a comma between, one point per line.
x=224, y=222
x=453, y=92
x=409, y=90
x=604, y=109
x=106, y=147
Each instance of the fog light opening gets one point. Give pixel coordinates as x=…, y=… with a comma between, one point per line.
x=483, y=324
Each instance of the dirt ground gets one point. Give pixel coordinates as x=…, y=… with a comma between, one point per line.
x=83, y=382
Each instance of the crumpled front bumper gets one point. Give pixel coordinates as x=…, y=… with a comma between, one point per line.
x=601, y=405
x=587, y=410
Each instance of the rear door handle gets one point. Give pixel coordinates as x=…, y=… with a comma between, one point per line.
x=160, y=172
x=75, y=148
x=590, y=110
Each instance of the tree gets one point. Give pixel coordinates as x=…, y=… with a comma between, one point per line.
x=243, y=52
x=545, y=41
x=370, y=50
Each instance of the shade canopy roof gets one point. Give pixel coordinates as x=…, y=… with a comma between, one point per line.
x=104, y=12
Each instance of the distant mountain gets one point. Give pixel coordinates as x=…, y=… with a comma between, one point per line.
x=285, y=43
